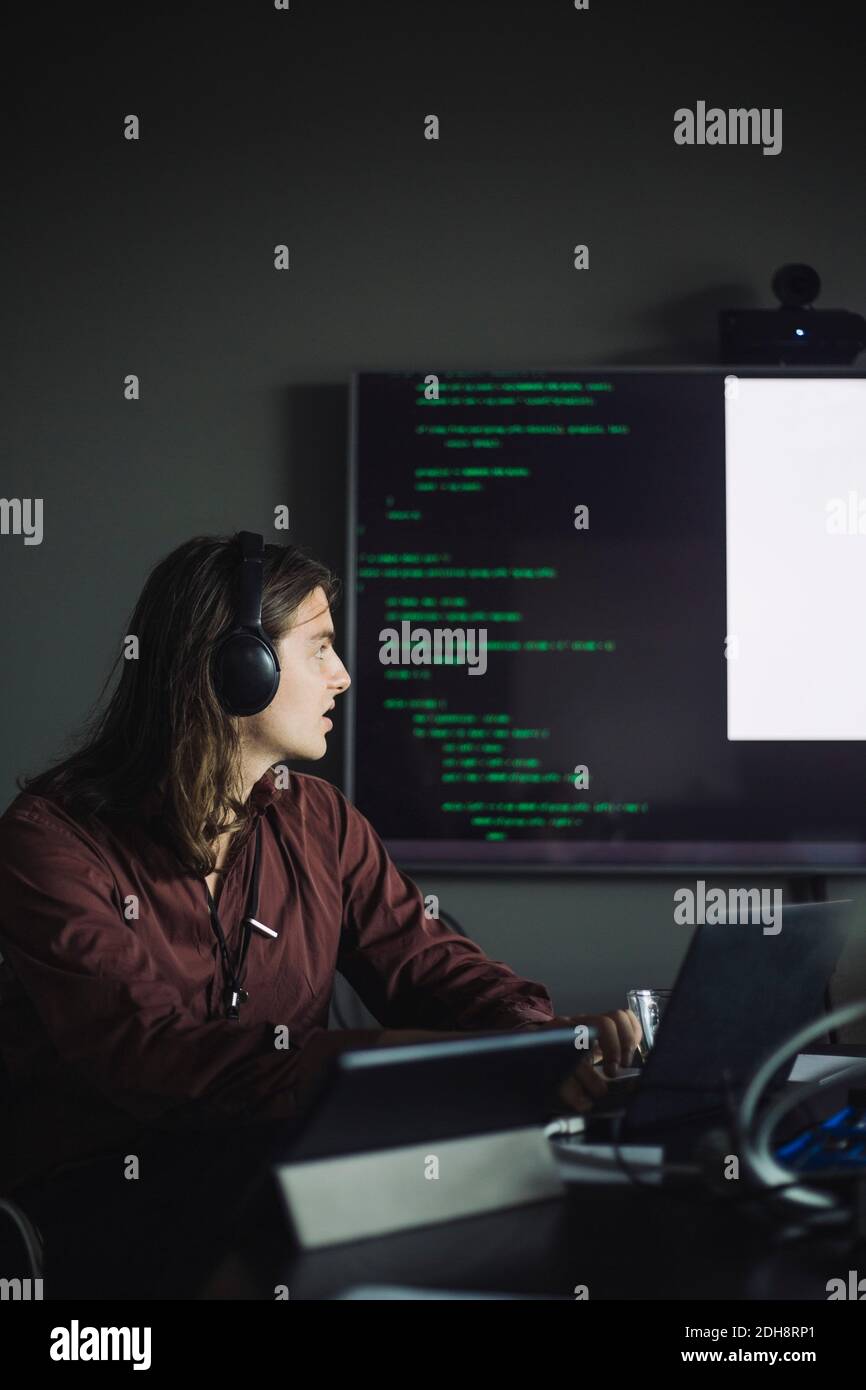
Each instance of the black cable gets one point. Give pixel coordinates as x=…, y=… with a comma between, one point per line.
x=740, y=1196
x=618, y=1119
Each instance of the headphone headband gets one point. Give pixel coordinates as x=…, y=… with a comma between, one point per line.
x=252, y=546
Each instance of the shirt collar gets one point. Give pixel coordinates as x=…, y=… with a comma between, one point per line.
x=263, y=793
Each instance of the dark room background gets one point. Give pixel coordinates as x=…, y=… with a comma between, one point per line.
x=305, y=126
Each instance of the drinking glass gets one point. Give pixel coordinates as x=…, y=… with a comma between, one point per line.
x=648, y=1005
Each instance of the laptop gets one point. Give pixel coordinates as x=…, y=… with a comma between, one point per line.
x=380, y=1098
x=738, y=995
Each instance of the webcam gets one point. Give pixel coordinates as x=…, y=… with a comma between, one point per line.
x=795, y=332
x=796, y=286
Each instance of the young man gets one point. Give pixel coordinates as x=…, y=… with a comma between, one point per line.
x=126, y=872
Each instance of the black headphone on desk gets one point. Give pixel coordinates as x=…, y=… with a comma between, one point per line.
x=246, y=670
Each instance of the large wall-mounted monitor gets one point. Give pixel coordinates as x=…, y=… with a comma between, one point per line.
x=610, y=618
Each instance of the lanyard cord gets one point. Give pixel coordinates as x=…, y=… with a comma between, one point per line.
x=235, y=994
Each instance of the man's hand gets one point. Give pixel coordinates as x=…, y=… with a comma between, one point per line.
x=619, y=1034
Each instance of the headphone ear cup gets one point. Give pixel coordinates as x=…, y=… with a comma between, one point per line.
x=246, y=673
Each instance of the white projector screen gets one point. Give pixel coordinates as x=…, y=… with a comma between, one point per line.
x=796, y=558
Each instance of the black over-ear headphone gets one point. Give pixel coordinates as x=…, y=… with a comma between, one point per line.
x=246, y=671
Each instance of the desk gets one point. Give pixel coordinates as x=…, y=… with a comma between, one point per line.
x=620, y=1241
x=200, y=1223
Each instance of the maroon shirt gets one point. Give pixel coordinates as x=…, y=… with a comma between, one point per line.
x=111, y=1024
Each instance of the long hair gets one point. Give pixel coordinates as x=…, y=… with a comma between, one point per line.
x=163, y=733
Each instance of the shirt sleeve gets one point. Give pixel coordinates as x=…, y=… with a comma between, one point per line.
x=408, y=967
x=115, y=1022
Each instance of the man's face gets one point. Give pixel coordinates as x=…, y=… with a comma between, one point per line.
x=294, y=725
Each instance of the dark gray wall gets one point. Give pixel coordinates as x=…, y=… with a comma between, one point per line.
x=306, y=127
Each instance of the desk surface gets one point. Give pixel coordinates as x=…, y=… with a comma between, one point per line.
x=621, y=1242
x=673, y=1242
x=187, y=1231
